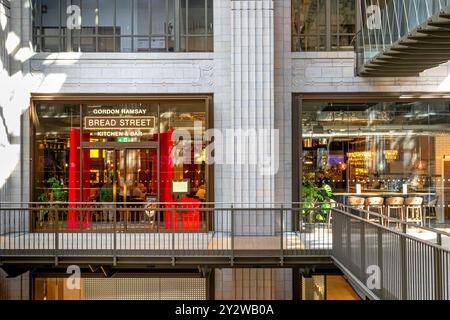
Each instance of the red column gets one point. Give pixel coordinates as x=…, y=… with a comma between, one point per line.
x=74, y=178
x=73, y=216
x=166, y=174
x=86, y=181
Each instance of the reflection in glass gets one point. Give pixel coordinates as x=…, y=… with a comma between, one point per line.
x=127, y=152
x=380, y=146
x=53, y=125
x=124, y=26
x=315, y=30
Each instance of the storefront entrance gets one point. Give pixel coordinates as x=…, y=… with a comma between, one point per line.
x=112, y=164
x=122, y=174
x=121, y=177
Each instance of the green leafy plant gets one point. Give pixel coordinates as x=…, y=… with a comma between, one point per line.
x=43, y=197
x=316, y=199
x=58, y=192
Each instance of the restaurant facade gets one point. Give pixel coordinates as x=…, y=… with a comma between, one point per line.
x=118, y=108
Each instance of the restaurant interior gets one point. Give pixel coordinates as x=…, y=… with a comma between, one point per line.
x=118, y=160
x=389, y=157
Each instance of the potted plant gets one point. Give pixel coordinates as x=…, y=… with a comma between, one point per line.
x=57, y=196
x=43, y=211
x=316, y=199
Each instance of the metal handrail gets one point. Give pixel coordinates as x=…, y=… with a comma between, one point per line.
x=404, y=266
x=402, y=234
x=349, y=239
x=205, y=207
x=398, y=221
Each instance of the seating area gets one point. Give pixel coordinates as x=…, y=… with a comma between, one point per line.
x=408, y=208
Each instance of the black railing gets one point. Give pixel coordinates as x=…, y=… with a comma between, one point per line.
x=383, y=258
x=161, y=229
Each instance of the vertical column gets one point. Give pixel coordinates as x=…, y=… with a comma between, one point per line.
x=252, y=92
x=252, y=112
x=283, y=104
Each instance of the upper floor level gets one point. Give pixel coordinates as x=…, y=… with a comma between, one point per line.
x=175, y=25
x=122, y=25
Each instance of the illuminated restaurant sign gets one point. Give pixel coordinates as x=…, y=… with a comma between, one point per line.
x=101, y=123
x=119, y=118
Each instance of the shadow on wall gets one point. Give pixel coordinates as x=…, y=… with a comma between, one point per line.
x=9, y=163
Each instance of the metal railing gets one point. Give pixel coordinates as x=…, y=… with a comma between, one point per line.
x=385, y=261
x=381, y=255
x=161, y=229
x=414, y=228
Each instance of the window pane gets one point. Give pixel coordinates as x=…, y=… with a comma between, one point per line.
x=188, y=165
x=309, y=21
x=124, y=44
x=141, y=17
x=36, y=5
x=123, y=17
x=183, y=20
x=158, y=17
x=50, y=44
x=64, y=17
x=171, y=27
x=106, y=44
x=196, y=44
x=106, y=17
x=347, y=17
x=88, y=14
x=52, y=145
x=141, y=44
x=210, y=16
x=152, y=28
x=196, y=17
x=50, y=13
x=50, y=18
x=380, y=146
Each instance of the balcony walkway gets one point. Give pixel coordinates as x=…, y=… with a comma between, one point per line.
x=405, y=39
x=158, y=243
x=413, y=261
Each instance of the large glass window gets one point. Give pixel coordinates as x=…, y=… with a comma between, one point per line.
x=377, y=149
x=53, y=125
x=120, y=152
x=323, y=25
x=123, y=25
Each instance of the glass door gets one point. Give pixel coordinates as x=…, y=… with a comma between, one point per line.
x=121, y=179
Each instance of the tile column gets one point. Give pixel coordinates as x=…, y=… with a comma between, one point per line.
x=252, y=90
x=252, y=110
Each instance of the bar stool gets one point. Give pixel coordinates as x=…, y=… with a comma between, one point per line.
x=375, y=204
x=395, y=204
x=430, y=212
x=414, y=207
x=357, y=202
